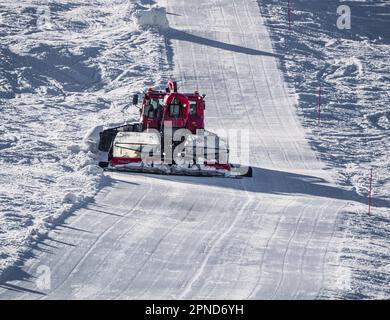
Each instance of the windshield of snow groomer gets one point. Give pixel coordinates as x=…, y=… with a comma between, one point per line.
x=174, y=108
x=192, y=108
x=151, y=108
x=154, y=103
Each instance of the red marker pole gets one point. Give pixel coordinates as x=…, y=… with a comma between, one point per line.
x=289, y=15
x=370, y=193
x=319, y=105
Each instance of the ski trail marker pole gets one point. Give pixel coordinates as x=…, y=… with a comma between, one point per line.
x=319, y=105
x=370, y=193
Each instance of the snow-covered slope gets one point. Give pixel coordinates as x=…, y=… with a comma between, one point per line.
x=270, y=236
x=66, y=67
x=352, y=68
x=276, y=235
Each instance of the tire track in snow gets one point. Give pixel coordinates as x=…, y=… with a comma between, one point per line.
x=293, y=146
x=212, y=85
x=64, y=257
x=101, y=236
x=253, y=80
x=281, y=208
x=340, y=208
x=291, y=202
x=244, y=250
x=138, y=247
x=201, y=242
x=287, y=249
x=109, y=252
x=219, y=238
x=302, y=256
x=149, y=256
x=315, y=222
x=172, y=252
x=289, y=107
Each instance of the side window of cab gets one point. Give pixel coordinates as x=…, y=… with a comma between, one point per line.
x=192, y=108
x=174, y=108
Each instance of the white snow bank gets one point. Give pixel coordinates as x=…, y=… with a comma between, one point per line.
x=352, y=67
x=58, y=86
x=154, y=16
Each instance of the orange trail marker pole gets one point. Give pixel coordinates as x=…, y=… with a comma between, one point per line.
x=370, y=193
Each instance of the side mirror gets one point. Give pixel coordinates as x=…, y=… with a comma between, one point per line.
x=135, y=99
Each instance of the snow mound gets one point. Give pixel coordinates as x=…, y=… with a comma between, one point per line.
x=56, y=84
x=348, y=67
x=70, y=198
x=91, y=139
x=152, y=17
x=352, y=68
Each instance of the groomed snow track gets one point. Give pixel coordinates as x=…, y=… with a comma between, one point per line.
x=150, y=236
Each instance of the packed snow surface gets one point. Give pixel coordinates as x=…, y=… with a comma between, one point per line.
x=351, y=67
x=297, y=229
x=66, y=68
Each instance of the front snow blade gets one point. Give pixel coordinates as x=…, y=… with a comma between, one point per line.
x=243, y=171
x=195, y=171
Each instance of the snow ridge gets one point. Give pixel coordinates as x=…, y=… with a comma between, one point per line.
x=66, y=68
x=351, y=67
